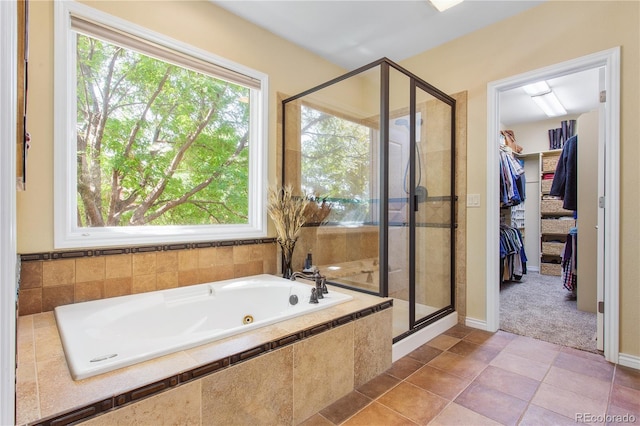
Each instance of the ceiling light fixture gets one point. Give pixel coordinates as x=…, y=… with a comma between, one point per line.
x=538, y=88
x=443, y=5
x=544, y=97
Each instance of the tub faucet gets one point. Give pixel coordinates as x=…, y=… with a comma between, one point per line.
x=320, y=284
x=304, y=275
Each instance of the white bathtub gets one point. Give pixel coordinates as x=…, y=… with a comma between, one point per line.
x=103, y=335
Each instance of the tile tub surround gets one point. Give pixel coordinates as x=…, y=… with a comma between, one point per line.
x=307, y=362
x=52, y=279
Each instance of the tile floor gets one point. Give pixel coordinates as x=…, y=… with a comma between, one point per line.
x=472, y=377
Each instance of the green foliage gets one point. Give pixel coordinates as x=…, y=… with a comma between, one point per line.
x=157, y=144
x=336, y=161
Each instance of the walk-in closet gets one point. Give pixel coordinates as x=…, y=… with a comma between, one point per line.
x=548, y=223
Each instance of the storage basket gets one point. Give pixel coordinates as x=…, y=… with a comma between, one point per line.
x=550, y=163
x=556, y=226
x=545, y=186
x=550, y=269
x=553, y=207
x=554, y=249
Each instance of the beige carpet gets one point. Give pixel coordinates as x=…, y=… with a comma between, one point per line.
x=540, y=307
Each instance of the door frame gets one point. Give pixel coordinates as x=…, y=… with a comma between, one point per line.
x=8, y=132
x=608, y=264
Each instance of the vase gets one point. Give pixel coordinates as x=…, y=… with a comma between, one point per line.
x=287, y=247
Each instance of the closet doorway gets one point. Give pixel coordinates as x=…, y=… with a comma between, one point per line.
x=608, y=189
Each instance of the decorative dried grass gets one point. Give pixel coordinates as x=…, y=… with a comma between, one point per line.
x=317, y=210
x=288, y=214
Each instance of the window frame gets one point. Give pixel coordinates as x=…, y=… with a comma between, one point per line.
x=67, y=234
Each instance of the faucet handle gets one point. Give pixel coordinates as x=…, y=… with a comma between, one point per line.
x=324, y=288
x=314, y=296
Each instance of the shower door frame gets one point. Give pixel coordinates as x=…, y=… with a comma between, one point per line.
x=415, y=83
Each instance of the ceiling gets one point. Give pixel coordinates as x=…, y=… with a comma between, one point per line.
x=578, y=93
x=352, y=33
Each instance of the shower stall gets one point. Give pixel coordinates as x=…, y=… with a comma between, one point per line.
x=377, y=147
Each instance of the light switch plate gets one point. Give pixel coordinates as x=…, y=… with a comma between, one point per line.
x=473, y=200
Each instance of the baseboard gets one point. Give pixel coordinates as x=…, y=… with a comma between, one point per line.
x=476, y=323
x=419, y=338
x=630, y=361
x=533, y=268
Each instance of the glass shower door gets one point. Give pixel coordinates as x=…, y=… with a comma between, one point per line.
x=433, y=218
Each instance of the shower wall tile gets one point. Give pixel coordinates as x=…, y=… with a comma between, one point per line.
x=59, y=272
x=332, y=247
x=118, y=266
x=236, y=396
x=90, y=269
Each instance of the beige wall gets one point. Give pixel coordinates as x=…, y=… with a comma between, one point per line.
x=553, y=32
x=199, y=23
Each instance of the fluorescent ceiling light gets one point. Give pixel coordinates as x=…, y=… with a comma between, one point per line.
x=443, y=5
x=535, y=89
x=544, y=97
x=550, y=104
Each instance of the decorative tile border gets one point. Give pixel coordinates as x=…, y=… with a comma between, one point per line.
x=73, y=254
x=121, y=400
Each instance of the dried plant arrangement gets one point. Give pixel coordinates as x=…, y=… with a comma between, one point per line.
x=317, y=210
x=288, y=214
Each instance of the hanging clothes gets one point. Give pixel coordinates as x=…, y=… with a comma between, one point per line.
x=569, y=262
x=513, y=259
x=565, y=180
x=512, y=179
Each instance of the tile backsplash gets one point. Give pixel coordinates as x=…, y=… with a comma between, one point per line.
x=50, y=280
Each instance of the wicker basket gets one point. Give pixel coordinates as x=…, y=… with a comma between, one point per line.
x=553, y=249
x=545, y=186
x=553, y=207
x=550, y=163
x=556, y=226
x=550, y=269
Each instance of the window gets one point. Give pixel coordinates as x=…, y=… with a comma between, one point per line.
x=155, y=141
x=336, y=164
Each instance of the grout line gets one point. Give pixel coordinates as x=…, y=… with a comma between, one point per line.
x=613, y=378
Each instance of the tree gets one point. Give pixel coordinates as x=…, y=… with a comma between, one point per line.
x=336, y=161
x=157, y=144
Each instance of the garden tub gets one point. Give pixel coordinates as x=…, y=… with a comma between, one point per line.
x=103, y=335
